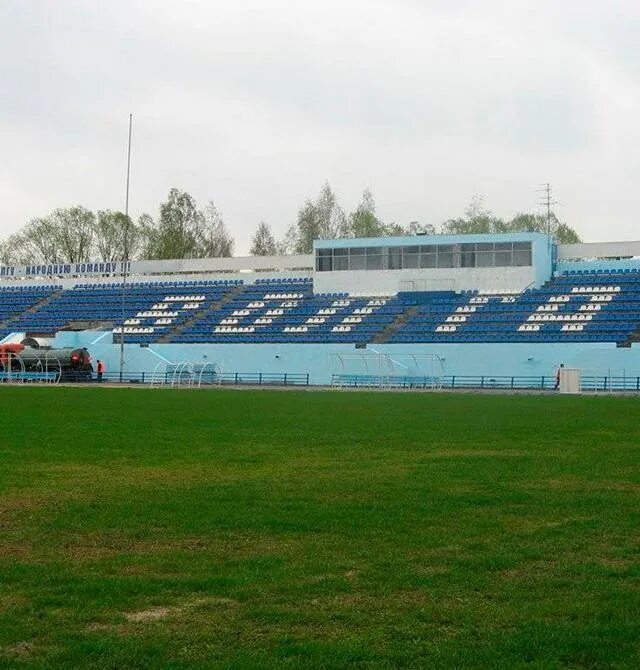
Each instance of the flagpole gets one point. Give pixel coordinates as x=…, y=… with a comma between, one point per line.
x=125, y=249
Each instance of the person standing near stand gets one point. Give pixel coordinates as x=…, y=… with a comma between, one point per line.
x=557, y=386
x=100, y=369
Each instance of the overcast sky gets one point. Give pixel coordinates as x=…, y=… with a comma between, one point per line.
x=255, y=103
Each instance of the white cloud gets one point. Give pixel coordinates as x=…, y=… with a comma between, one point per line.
x=255, y=104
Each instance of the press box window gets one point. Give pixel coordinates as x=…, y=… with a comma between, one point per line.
x=341, y=259
x=324, y=260
x=356, y=258
x=394, y=259
x=410, y=258
x=445, y=256
x=373, y=258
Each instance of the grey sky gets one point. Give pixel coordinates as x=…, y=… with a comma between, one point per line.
x=254, y=103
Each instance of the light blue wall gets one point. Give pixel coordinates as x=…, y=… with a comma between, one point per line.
x=410, y=240
x=522, y=359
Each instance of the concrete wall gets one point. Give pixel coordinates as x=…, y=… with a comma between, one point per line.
x=598, y=250
x=320, y=360
x=390, y=282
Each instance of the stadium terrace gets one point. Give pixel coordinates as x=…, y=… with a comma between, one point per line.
x=512, y=305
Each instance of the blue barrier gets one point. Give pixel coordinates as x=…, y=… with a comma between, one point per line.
x=18, y=376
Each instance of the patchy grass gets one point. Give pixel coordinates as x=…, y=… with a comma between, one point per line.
x=154, y=529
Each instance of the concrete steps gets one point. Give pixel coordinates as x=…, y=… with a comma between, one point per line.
x=201, y=313
x=389, y=330
x=8, y=323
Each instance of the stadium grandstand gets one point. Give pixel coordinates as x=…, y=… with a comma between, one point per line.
x=481, y=306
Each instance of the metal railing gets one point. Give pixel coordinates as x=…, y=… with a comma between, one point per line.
x=603, y=383
x=256, y=378
x=210, y=378
x=27, y=377
x=596, y=383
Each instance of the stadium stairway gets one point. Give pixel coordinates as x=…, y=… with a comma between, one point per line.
x=388, y=331
x=35, y=307
x=634, y=336
x=195, y=318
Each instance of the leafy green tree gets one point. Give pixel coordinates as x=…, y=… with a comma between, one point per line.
x=322, y=219
x=8, y=252
x=363, y=222
x=263, y=243
x=64, y=236
x=476, y=219
x=184, y=231
x=537, y=223
x=115, y=236
x=214, y=240
x=175, y=233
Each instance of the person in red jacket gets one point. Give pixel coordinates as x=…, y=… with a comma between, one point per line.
x=100, y=368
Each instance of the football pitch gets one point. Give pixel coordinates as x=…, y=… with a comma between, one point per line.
x=265, y=529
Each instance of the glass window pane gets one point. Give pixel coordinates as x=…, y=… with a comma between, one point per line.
x=341, y=263
x=445, y=248
x=374, y=262
x=428, y=260
x=394, y=259
x=357, y=262
x=356, y=251
x=522, y=258
x=468, y=247
x=522, y=246
x=503, y=259
x=503, y=246
x=323, y=260
x=484, y=259
x=410, y=250
x=428, y=249
x=341, y=252
x=484, y=246
x=467, y=260
x=323, y=263
x=445, y=260
x=410, y=260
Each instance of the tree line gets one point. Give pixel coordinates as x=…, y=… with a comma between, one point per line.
x=182, y=229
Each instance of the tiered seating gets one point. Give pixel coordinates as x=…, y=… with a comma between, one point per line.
x=14, y=300
x=288, y=311
x=571, y=308
x=151, y=309
x=603, y=307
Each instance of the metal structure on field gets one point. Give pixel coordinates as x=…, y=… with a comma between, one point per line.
x=384, y=370
x=186, y=374
x=14, y=371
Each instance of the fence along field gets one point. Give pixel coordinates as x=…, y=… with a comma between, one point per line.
x=322, y=529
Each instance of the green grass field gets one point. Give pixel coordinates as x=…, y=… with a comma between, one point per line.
x=242, y=529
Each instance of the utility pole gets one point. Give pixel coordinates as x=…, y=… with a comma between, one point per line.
x=546, y=200
x=125, y=248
